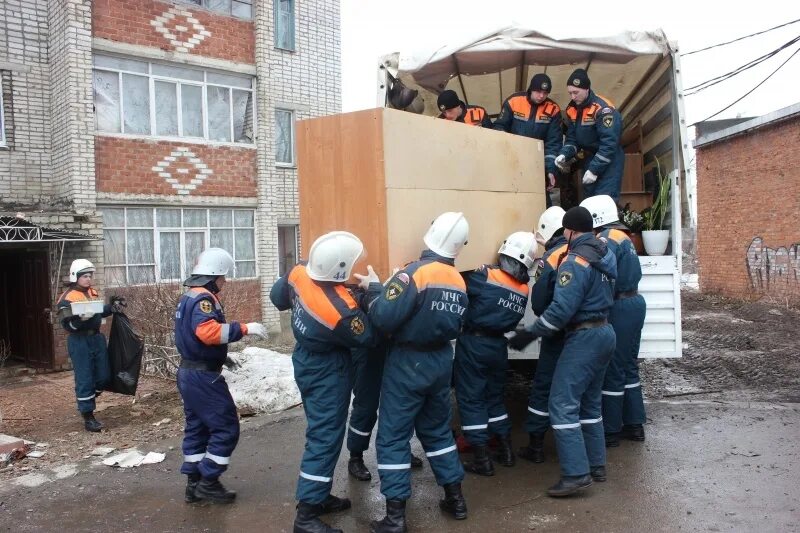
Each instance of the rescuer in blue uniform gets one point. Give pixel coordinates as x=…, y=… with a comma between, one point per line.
x=533, y=114
x=327, y=323
x=202, y=335
x=85, y=344
x=498, y=295
x=550, y=235
x=594, y=129
x=583, y=297
x=422, y=307
x=452, y=108
x=623, y=404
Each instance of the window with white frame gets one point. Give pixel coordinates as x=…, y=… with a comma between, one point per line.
x=284, y=137
x=161, y=100
x=151, y=245
x=237, y=8
x=287, y=248
x=284, y=24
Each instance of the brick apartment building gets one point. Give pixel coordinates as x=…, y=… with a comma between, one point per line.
x=135, y=133
x=748, y=198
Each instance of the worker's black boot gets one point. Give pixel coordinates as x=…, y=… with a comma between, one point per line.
x=357, y=468
x=91, y=423
x=332, y=504
x=534, y=451
x=394, y=521
x=505, y=452
x=307, y=520
x=598, y=473
x=191, y=485
x=612, y=440
x=633, y=432
x=214, y=491
x=481, y=463
x=454, y=502
x=569, y=485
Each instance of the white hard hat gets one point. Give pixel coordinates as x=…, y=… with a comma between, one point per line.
x=521, y=246
x=79, y=267
x=550, y=222
x=213, y=262
x=448, y=234
x=603, y=209
x=333, y=255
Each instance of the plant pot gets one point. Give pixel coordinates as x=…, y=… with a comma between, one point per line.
x=655, y=241
x=638, y=244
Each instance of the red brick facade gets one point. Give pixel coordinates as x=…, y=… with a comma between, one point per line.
x=213, y=35
x=748, y=220
x=136, y=166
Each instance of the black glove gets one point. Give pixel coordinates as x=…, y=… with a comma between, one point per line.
x=118, y=304
x=520, y=339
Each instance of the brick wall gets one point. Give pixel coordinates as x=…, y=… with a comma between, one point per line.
x=748, y=198
x=179, y=27
x=25, y=173
x=306, y=81
x=137, y=166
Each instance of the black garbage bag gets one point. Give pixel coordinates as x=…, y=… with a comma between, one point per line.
x=125, y=350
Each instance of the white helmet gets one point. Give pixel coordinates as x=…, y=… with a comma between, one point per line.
x=333, y=255
x=603, y=209
x=550, y=222
x=448, y=234
x=521, y=246
x=80, y=267
x=213, y=262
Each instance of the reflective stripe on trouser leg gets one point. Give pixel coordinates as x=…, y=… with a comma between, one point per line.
x=592, y=422
x=538, y=419
x=499, y=423
x=433, y=424
x=471, y=383
x=580, y=367
x=325, y=381
x=627, y=317
x=80, y=353
x=368, y=371
x=212, y=424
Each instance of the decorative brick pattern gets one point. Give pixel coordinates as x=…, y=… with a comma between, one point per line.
x=189, y=29
x=137, y=166
x=748, y=205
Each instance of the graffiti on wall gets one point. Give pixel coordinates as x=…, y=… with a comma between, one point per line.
x=773, y=268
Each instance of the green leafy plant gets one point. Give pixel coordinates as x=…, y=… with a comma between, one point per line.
x=654, y=216
x=632, y=219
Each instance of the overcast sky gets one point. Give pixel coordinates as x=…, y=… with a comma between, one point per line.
x=372, y=28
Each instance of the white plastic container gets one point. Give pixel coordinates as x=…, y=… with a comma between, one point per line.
x=88, y=306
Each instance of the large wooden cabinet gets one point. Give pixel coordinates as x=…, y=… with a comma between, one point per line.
x=384, y=175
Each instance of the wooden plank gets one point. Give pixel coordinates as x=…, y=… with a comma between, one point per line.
x=341, y=180
x=492, y=216
x=632, y=175
x=638, y=200
x=427, y=153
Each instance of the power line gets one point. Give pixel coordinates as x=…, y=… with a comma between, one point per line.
x=739, y=39
x=748, y=92
x=750, y=64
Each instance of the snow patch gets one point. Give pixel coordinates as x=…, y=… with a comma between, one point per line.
x=264, y=382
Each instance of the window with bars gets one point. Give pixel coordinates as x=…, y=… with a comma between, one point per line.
x=284, y=24
x=160, y=100
x=151, y=245
x=237, y=8
x=284, y=137
x=287, y=248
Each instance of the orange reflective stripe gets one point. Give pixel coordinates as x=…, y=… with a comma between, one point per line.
x=438, y=275
x=313, y=298
x=555, y=258
x=503, y=279
x=345, y=295
x=520, y=106
x=572, y=113
x=618, y=236
x=209, y=332
x=581, y=261
x=474, y=116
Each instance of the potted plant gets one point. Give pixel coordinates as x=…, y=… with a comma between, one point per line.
x=655, y=237
x=634, y=221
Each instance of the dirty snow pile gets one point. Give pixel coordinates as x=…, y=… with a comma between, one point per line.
x=264, y=382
